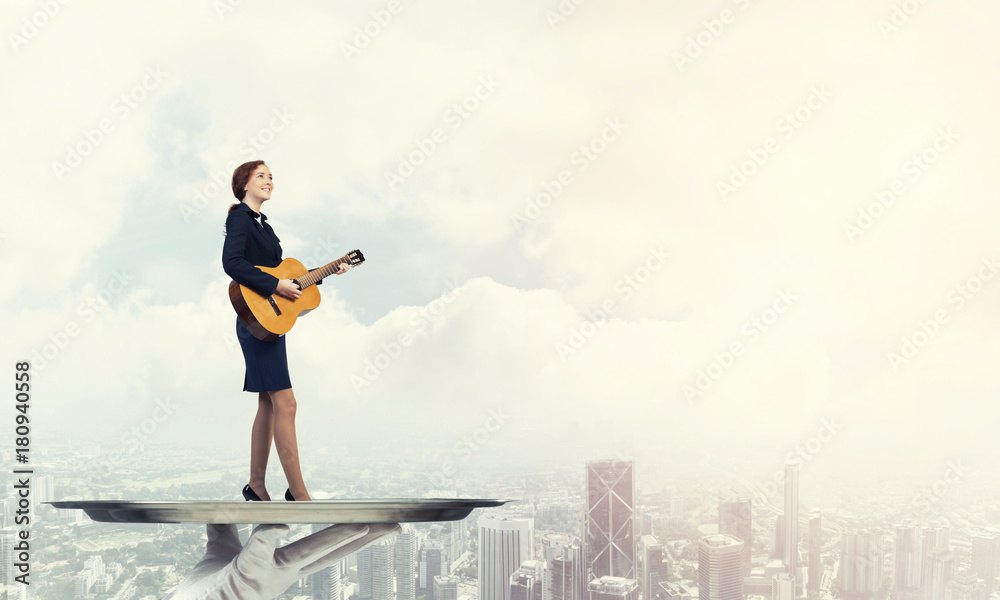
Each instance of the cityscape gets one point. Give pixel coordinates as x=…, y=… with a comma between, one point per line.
x=593, y=532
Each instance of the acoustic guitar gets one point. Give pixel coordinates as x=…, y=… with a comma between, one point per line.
x=268, y=317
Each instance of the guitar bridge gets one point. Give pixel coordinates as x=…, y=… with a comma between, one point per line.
x=274, y=305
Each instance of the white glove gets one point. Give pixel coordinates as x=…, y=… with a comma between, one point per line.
x=262, y=571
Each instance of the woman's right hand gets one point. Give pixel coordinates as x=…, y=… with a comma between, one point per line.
x=288, y=288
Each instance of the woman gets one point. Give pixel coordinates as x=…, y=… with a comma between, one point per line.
x=251, y=241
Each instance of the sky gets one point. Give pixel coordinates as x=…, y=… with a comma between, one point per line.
x=592, y=229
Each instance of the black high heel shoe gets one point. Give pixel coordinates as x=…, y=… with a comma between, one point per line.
x=249, y=494
x=288, y=496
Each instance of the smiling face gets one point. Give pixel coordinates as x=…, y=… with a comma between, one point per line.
x=260, y=185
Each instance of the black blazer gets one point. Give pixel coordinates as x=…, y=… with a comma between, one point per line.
x=250, y=241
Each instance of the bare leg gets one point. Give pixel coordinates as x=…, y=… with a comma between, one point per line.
x=260, y=444
x=283, y=404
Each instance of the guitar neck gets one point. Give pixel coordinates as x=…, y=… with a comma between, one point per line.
x=316, y=275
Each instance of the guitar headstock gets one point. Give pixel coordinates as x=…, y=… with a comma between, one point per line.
x=354, y=258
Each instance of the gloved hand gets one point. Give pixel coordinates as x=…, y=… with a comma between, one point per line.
x=262, y=571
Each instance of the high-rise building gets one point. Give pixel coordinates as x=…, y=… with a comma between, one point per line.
x=861, y=557
x=939, y=571
x=7, y=543
x=610, y=524
x=445, y=588
x=503, y=545
x=527, y=583
x=735, y=520
x=778, y=540
x=564, y=578
x=782, y=586
x=326, y=582
x=376, y=572
x=671, y=591
x=791, y=530
x=815, y=551
x=613, y=588
x=986, y=557
x=908, y=560
x=653, y=569
x=967, y=586
x=431, y=564
x=720, y=568
x=405, y=560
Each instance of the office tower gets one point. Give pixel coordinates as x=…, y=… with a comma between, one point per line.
x=503, y=545
x=613, y=588
x=907, y=567
x=676, y=504
x=791, y=531
x=966, y=585
x=325, y=583
x=986, y=557
x=406, y=563
x=653, y=569
x=445, y=588
x=7, y=543
x=938, y=574
x=861, y=559
x=432, y=563
x=527, y=582
x=782, y=586
x=610, y=537
x=451, y=543
x=564, y=578
x=735, y=520
x=778, y=540
x=376, y=573
x=815, y=550
x=720, y=568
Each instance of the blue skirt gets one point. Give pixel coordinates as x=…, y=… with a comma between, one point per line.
x=266, y=362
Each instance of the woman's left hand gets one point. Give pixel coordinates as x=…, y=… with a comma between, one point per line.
x=343, y=269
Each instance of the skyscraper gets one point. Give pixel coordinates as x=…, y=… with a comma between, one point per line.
x=613, y=588
x=791, y=531
x=778, y=541
x=861, y=557
x=908, y=561
x=782, y=586
x=986, y=557
x=815, y=550
x=376, y=572
x=720, y=568
x=503, y=545
x=610, y=536
x=653, y=570
x=445, y=588
x=527, y=583
x=432, y=561
x=735, y=519
x=406, y=563
x=967, y=586
x=564, y=578
x=938, y=574
x=325, y=582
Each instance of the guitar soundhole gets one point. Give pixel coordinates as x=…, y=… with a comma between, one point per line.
x=274, y=305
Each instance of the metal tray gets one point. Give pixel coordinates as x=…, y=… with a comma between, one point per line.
x=386, y=510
